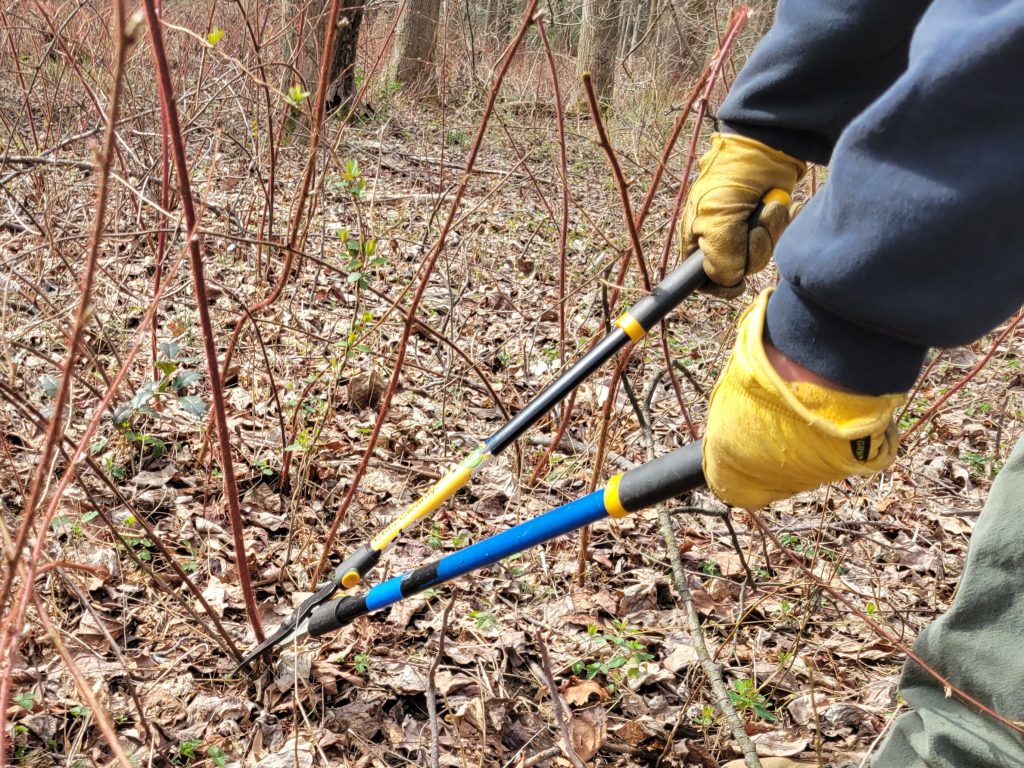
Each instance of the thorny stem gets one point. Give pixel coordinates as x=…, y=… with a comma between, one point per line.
x=55, y=429
x=563, y=172
x=170, y=112
x=712, y=671
x=620, y=180
x=736, y=23
x=426, y=271
x=701, y=86
x=161, y=219
x=598, y=464
x=435, y=728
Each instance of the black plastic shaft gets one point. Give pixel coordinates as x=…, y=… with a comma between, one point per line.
x=338, y=613
x=360, y=562
x=650, y=310
x=662, y=479
x=670, y=292
x=557, y=391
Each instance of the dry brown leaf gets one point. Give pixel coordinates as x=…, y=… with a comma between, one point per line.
x=780, y=743
x=588, y=730
x=291, y=755
x=400, y=676
x=801, y=709
x=579, y=694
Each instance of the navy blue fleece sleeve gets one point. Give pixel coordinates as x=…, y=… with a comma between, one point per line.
x=913, y=242
x=820, y=65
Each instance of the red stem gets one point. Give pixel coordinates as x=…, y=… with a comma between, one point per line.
x=14, y=619
x=170, y=111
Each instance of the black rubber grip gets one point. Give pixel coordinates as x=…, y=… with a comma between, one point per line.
x=670, y=292
x=661, y=479
x=362, y=561
x=336, y=614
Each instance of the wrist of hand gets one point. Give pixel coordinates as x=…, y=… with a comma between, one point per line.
x=791, y=371
x=775, y=428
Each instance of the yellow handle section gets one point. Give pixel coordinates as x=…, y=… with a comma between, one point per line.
x=631, y=326
x=443, y=490
x=612, y=502
x=776, y=196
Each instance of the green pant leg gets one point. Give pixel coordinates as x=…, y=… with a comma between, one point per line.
x=978, y=645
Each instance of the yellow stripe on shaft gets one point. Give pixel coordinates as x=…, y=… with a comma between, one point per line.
x=612, y=502
x=776, y=196
x=443, y=490
x=631, y=326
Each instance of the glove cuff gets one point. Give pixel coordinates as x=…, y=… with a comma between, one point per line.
x=785, y=170
x=840, y=414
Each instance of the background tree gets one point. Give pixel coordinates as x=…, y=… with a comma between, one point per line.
x=499, y=20
x=304, y=46
x=599, y=44
x=413, y=59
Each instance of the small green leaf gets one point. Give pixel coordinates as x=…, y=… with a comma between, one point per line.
x=296, y=94
x=185, y=379
x=169, y=350
x=26, y=700
x=193, y=405
x=215, y=36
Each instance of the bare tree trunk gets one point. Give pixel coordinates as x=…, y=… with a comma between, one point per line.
x=599, y=34
x=304, y=47
x=499, y=21
x=413, y=60
x=640, y=27
x=685, y=31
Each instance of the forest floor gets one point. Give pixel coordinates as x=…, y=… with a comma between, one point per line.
x=809, y=676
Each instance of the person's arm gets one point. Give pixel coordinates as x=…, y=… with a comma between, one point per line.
x=911, y=244
x=821, y=63
x=913, y=241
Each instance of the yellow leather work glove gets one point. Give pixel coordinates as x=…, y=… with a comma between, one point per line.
x=734, y=175
x=768, y=438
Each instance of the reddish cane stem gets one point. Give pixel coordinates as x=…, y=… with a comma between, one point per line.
x=170, y=112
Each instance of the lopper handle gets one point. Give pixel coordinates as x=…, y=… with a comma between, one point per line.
x=632, y=325
x=640, y=487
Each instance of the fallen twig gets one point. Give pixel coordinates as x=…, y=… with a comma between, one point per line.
x=556, y=701
x=431, y=693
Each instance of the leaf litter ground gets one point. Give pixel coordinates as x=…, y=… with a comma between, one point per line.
x=806, y=674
